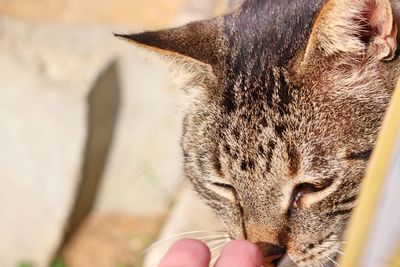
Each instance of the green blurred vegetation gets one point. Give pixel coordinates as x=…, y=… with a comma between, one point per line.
x=56, y=263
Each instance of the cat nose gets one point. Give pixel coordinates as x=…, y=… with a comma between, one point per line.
x=272, y=253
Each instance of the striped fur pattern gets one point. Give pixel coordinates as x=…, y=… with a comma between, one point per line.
x=278, y=134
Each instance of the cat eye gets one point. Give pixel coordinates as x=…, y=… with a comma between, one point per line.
x=225, y=190
x=224, y=186
x=306, y=188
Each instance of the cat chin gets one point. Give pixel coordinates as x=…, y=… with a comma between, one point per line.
x=286, y=261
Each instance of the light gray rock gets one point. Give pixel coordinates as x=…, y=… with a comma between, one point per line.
x=42, y=132
x=144, y=167
x=46, y=72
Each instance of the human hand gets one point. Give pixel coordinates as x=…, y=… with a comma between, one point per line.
x=193, y=253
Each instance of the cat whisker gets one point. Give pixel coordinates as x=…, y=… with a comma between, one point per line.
x=219, y=246
x=338, y=251
x=293, y=260
x=207, y=240
x=341, y=243
x=185, y=234
x=337, y=240
x=337, y=264
x=331, y=249
x=211, y=238
x=213, y=261
x=320, y=263
x=219, y=242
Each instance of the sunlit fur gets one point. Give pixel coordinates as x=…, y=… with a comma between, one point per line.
x=292, y=95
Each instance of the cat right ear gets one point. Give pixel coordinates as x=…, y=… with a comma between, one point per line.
x=354, y=27
x=194, y=48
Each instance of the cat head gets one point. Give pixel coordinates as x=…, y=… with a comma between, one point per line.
x=285, y=100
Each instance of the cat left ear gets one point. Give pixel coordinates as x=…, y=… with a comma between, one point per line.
x=355, y=26
x=197, y=43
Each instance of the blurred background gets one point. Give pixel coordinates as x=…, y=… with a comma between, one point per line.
x=90, y=163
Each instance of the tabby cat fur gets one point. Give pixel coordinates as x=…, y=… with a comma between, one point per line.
x=285, y=99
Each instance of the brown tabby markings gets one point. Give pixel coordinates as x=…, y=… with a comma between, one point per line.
x=286, y=98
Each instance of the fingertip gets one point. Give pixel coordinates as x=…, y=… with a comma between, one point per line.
x=187, y=252
x=244, y=246
x=191, y=245
x=240, y=253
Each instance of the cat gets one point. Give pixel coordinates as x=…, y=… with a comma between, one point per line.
x=285, y=99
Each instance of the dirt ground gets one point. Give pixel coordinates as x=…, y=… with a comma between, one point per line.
x=111, y=240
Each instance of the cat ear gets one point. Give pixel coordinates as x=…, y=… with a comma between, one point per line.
x=355, y=26
x=195, y=45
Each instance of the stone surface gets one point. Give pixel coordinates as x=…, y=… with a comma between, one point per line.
x=103, y=104
x=41, y=139
x=46, y=73
x=67, y=55
x=144, y=165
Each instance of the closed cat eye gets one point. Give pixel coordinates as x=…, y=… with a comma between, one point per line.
x=225, y=190
x=306, y=188
x=224, y=186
